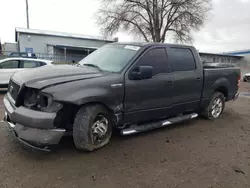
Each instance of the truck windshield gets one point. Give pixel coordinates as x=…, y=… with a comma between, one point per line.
x=112, y=58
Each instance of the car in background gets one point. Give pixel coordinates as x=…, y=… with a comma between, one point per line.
x=9, y=66
x=246, y=77
x=22, y=54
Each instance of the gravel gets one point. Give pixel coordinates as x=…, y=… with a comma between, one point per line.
x=197, y=153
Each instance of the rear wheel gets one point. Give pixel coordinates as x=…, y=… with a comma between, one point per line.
x=215, y=107
x=92, y=127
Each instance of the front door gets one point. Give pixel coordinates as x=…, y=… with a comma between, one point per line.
x=7, y=69
x=149, y=99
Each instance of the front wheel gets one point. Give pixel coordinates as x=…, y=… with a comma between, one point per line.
x=92, y=127
x=215, y=107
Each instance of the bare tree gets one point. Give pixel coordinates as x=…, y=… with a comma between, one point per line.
x=154, y=19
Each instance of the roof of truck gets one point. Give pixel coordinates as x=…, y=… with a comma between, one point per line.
x=146, y=44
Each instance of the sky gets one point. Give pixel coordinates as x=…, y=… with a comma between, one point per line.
x=227, y=27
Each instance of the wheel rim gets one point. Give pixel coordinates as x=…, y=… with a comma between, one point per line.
x=99, y=129
x=217, y=107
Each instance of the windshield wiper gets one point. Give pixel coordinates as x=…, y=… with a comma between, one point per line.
x=92, y=65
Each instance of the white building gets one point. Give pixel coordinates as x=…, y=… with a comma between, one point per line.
x=59, y=46
x=220, y=58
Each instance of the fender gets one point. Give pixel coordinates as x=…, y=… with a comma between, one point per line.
x=96, y=90
x=95, y=95
x=220, y=83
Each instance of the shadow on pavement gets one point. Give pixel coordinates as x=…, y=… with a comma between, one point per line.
x=66, y=148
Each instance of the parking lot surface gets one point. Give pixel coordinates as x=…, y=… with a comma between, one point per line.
x=193, y=154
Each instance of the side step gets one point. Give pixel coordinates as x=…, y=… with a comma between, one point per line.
x=158, y=124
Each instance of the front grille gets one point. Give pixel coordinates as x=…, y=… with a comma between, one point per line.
x=13, y=89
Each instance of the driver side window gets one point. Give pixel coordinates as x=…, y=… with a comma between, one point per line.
x=12, y=64
x=156, y=58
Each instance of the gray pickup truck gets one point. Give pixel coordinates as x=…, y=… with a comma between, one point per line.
x=133, y=87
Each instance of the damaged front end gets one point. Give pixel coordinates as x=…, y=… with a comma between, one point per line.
x=33, y=118
x=39, y=101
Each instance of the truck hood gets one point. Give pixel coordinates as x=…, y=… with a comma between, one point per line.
x=53, y=75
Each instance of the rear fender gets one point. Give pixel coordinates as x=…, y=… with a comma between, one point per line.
x=221, y=83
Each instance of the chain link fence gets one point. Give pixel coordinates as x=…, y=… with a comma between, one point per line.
x=57, y=59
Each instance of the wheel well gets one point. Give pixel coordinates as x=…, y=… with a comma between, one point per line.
x=97, y=103
x=69, y=111
x=223, y=90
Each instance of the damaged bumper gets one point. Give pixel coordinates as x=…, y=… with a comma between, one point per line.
x=32, y=128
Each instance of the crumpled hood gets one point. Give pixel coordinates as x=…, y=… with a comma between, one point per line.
x=54, y=75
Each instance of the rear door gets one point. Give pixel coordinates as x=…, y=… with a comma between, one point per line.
x=149, y=99
x=188, y=79
x=7, y=69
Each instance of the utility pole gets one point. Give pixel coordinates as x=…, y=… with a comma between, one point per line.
x=27, y=14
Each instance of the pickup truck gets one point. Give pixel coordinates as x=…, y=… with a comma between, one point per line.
x=132, y=87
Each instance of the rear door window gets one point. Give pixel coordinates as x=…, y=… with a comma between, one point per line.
x=29, y=64
x=182, y=60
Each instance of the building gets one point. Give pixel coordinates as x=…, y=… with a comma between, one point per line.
x=239, y=58
x=9, y=47
x=245, y=63
x=244, y=53
x=58, y=46
x=220, y=58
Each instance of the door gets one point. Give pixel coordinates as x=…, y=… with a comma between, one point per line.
x=149, y=99
x=7, y=69
x=188, y=80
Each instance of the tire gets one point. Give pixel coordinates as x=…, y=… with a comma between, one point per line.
x=244, y=79
x=84, y=127
x=208, y=112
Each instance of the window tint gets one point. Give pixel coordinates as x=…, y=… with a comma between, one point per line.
x=13, y=64
x=157, y=58
x=183, y=60
x=30, y=64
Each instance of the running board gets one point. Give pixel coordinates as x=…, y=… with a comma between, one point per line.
x=154, y=125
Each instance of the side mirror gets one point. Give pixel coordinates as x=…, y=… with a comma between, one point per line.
x=142, y=73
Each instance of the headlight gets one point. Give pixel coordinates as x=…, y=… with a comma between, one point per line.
x=47, y=104
x=38, y=100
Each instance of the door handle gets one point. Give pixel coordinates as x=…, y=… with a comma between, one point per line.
x=198, y=78
x=169, y=83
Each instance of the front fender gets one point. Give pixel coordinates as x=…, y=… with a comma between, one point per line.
x=89, y=91
x=110, y=98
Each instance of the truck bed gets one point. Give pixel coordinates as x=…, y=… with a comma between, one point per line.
x=214, y=76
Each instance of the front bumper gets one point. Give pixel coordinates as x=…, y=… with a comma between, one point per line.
x=32, y=128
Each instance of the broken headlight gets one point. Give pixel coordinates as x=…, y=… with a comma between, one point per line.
x=38, y=100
